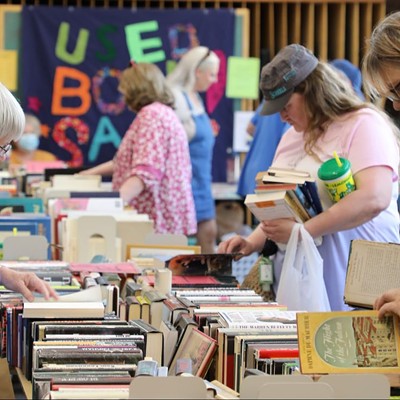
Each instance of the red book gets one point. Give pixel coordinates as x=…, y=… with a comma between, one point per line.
x=277, y=353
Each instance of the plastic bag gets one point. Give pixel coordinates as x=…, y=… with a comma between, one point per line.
x=301, y=285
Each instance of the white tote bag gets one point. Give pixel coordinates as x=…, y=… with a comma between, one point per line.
x=301, y=285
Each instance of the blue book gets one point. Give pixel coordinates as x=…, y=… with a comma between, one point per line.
x=42, y=221
x=19, y=226
x=29, y=204
x=310, y=197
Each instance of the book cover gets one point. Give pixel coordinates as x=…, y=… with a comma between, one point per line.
x=154, y=340
x=134, y=308
x=197, y=346
x=170, y=335
x=201, y=264
x=348, y=342
x=156, y=301
x=172, y=308
x=273, y=205
x=274, y=321
x=145, y=308
x=364, y=278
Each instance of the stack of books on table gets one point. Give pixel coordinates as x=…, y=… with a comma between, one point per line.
x=84, y=353
x=284, y=193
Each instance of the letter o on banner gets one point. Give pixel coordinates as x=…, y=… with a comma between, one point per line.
x=107, y=108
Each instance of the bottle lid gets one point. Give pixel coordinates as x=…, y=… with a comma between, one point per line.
x=331, y=170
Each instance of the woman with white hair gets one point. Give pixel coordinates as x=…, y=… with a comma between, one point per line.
x=195, y=73
x=12, y=122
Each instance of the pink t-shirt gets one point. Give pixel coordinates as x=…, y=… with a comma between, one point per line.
x=365, y=138
x=155, y=149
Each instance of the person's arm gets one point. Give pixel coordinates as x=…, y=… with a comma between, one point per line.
x=131, y=188
x=105, y=169
x=388, y=303
x=184, y=114
x=26, y=283
x=238, y=244
x=372, y=195
x=250, y=128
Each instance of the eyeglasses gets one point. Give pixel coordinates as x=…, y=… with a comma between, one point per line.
x=394, y=94
x=204, y=58
x=5, y=149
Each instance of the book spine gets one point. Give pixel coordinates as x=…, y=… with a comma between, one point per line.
x=270, y=327
x=225, y=298
x=147, y=368
x=277, y=353
x=296, y=206
x=215, y=292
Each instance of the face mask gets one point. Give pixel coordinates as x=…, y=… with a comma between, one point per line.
x=28, y=142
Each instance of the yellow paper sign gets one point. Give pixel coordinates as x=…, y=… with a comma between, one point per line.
x=8, y=68
x=243, y=78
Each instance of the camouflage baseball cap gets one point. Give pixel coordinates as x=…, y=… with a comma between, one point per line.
x=279, y=77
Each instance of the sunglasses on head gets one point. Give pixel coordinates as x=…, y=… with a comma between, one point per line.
x=204, y=58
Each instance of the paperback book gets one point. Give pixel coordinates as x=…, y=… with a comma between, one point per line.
x=348, y=342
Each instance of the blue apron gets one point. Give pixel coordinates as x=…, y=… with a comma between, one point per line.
x=201, y=152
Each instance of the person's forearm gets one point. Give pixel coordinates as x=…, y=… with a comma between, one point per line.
x=105, y=169
x=131, y=188
x=257, y=238
x=350, y=212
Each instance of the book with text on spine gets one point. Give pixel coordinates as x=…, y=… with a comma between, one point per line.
x=348, y=342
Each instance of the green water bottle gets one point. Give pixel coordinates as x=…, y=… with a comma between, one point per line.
x=337, y=177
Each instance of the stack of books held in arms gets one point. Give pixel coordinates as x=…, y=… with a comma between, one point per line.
x=284, y=193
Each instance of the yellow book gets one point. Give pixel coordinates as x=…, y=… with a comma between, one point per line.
x=348, y=342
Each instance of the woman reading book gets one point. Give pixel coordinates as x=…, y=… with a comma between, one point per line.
x=327, y=116
x=12, y=122
x=382, y=80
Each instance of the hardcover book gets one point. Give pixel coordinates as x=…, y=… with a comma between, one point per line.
x=372, y=269
x=197, y=346
x=201, y=264
x=348, y=342
x=154, y=340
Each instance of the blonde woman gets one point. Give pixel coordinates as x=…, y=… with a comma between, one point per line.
x=326, y=116
x=381, y=71
x=151, y=169
x=195, y=73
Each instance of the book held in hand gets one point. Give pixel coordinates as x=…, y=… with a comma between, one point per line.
x=348, y=342
x=372, y=269
x=287, y=175
x=283, y=193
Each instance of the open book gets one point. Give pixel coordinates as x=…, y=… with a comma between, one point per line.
x=372, y=268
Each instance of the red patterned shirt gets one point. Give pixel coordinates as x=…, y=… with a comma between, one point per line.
x=155, y=149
